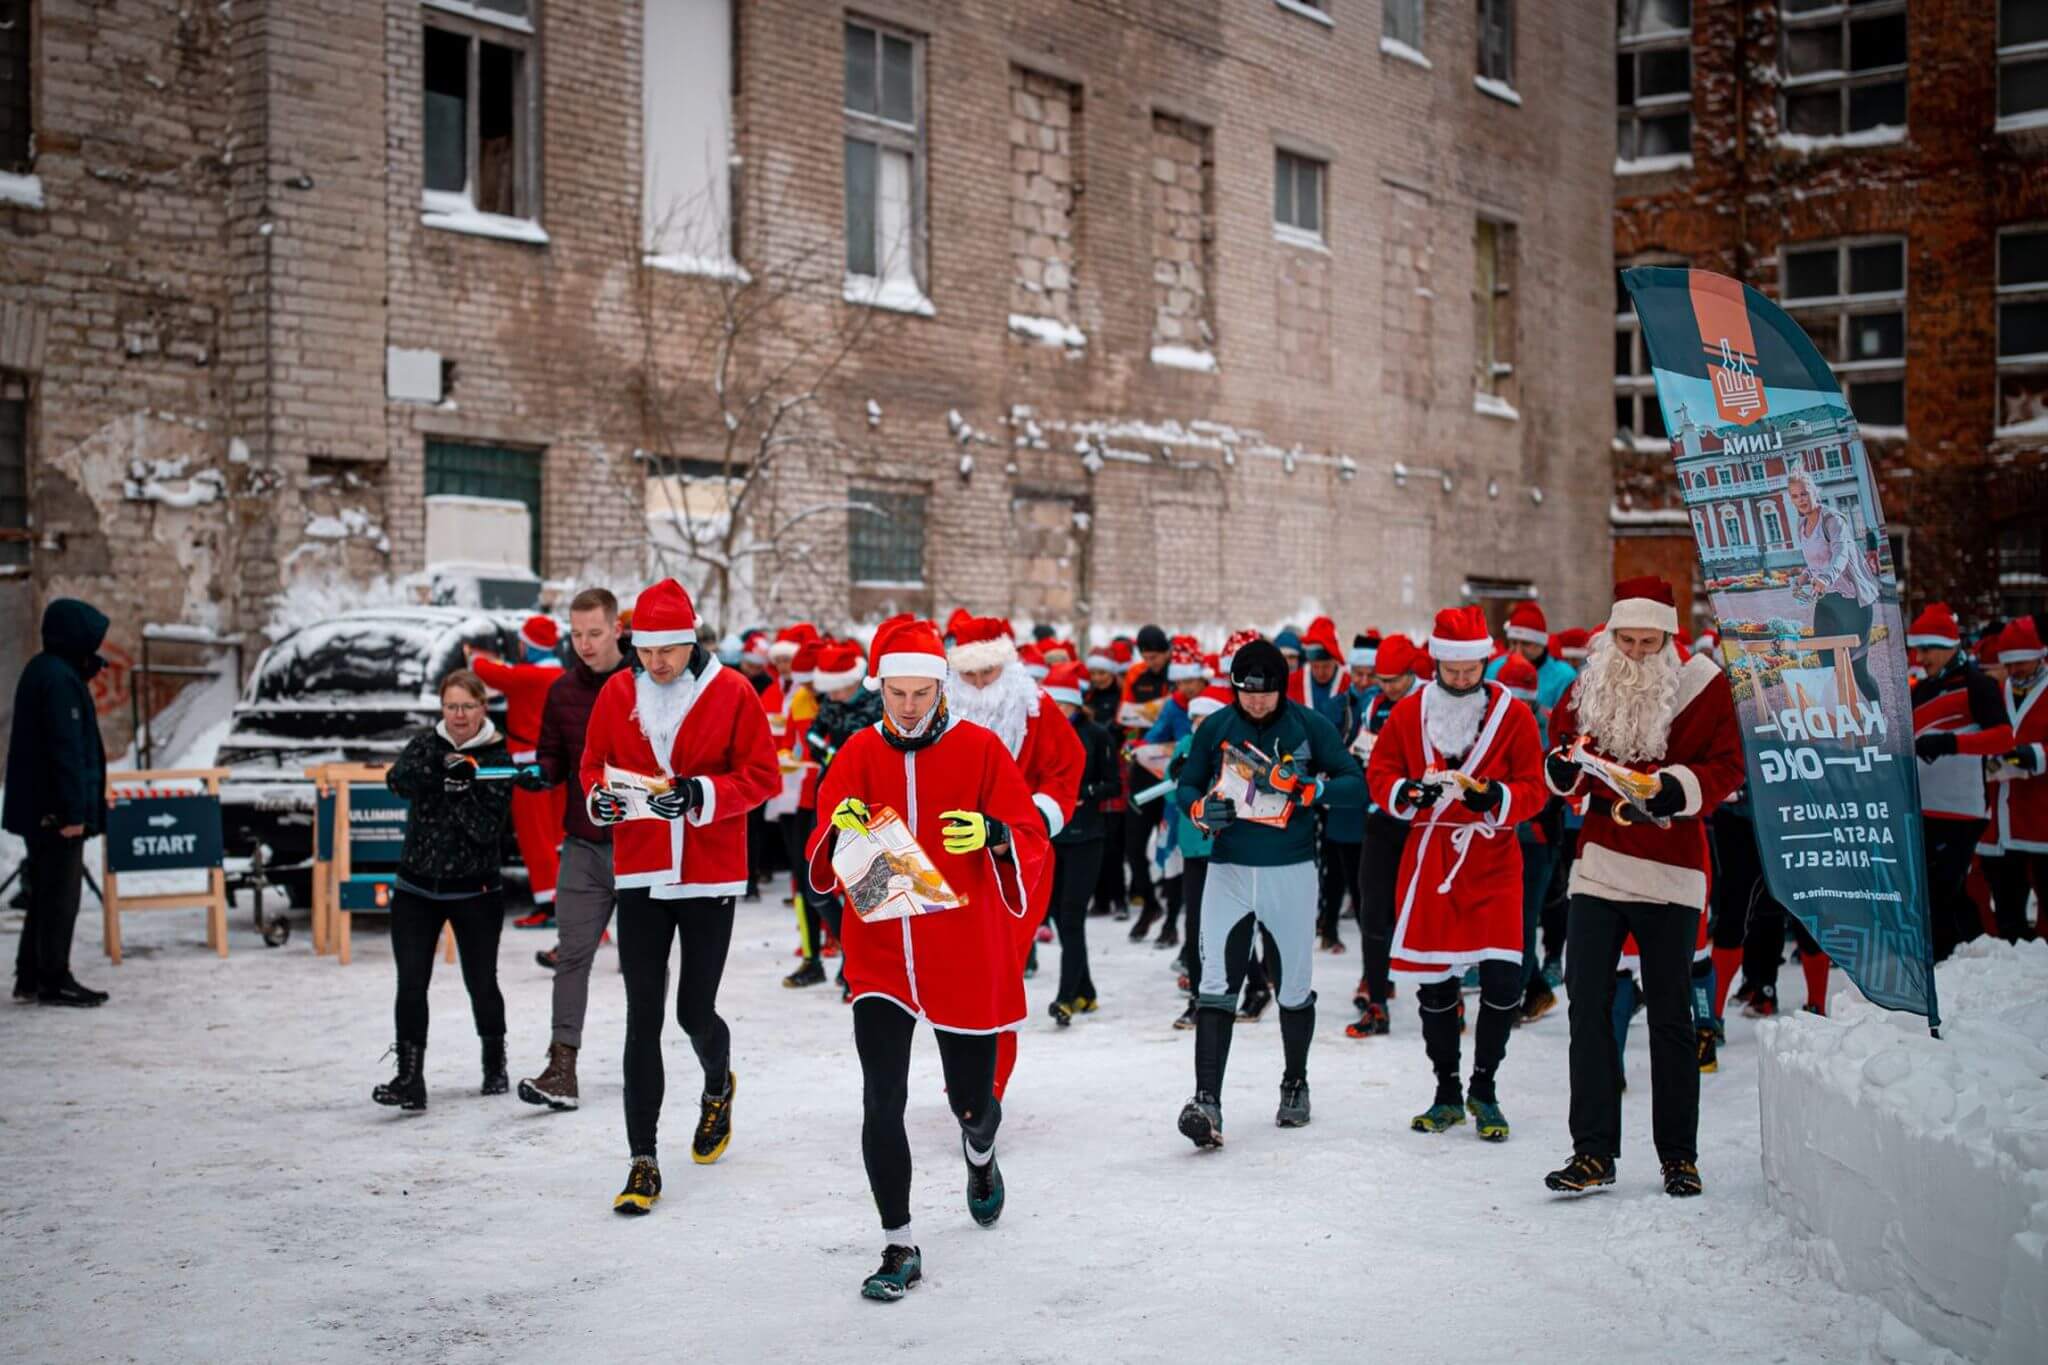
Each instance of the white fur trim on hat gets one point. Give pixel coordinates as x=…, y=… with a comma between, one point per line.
x=1362, y=657
x=1204, y=706
x=972, y=658
x=2020, y=656
x=1643, y=613
x=832, y=682
x=654, y=639
x=1183, y=672
x=1070, y=696
x=1527, y=635
x=783, y=649
x=1038, y=671
x=911, y=663
x=1100, y=663
x=1933, y=641
x=1459, y=651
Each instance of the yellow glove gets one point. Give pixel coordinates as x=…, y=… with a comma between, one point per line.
x=969, y=831
x=851, y=815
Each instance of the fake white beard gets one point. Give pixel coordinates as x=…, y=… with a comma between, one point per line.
x=1004, y=706
x=1453, y=722
x=1627, y=707
x=659, y=707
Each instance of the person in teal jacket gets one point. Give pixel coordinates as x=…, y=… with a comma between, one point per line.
x=1529, y=635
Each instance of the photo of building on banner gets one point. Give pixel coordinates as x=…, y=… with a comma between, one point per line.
x=1799, y=570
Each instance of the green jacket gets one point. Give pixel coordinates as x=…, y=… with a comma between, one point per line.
x=1295, y=731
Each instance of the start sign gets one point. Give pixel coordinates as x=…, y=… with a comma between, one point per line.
x=169, y=833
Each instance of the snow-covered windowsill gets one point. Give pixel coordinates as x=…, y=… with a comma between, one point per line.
x=1047, y=331
x=1395, y=48
x=23, y=191
x=897, y=295
x=1174, y=357
x=689, y=263
x=1884, y=135
x=454, y=213
x=2019, y=123
x=1492, y=405
x=1500, y=90
x=1301, y=237
x=1306, y=11
x=1652, y=165
x=2033, y=426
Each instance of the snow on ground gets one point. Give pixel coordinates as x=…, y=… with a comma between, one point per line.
x=196, y=1172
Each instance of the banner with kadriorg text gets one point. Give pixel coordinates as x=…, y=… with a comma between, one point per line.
x=1796, y=562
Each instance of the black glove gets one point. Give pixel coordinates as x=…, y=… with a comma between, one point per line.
x=1482, y=799
x=2023, y=759
x=1420, y=795
x=1214, y=812
x=1562, y=772
x=531, y=778
x=457, y=772
x=604, y=808
x=679, y=800
x=1935, y=744
x=1669, y=800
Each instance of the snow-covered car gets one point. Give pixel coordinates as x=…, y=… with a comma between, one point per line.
x=352, y=689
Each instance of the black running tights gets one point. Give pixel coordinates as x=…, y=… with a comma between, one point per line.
x=1500, y=997
x=882, y=1031
x=647, y=930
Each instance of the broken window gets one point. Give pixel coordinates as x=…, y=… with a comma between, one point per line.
x=1850, y=297
x=17, y=145
x=13, y=473
x=2022, y=64
x=885, y=538
x=2023, y=330
x=1844, y=66
x=477, y=80
x=1653, y=79
x=883, y=101
x=1497, y=42
x=1298, y=196
x=1493, y=317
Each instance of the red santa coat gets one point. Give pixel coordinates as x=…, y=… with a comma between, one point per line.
x=957, y=968
x=1458, y=895
x=2019, y=809
x=536, y=816
x=1703, y=752
x=1052, y=760
x=724, y=745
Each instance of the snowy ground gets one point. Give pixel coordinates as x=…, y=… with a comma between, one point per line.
x=196, y=1172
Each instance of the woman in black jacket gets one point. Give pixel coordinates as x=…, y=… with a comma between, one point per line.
x=1079, y=846
x=448, y=874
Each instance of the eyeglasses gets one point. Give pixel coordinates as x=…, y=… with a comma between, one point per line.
x=461, y=708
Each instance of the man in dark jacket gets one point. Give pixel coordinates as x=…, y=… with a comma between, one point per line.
x=56, y=795
x=583, y=892
x=1078, y=847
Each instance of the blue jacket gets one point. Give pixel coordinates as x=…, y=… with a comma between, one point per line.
x=56, y=765
x=1553, y=679
x=1291, y=731
x=1174, y=723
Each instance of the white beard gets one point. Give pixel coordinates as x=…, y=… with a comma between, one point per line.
x=1453, y=722
x=1626, y=708
x=660, y=708
x=1004, y=706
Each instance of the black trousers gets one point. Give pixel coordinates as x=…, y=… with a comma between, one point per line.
x=1500, y=999
x=1074, y=870
x=1379, y=868
x=2008, y=875
x=1193, y=878
x=1558, y=899
x=54, y=873
x=479, y=921
x=647, y=929
x=1665, y=935
x=1109, y=882
x=1337, y=882
x=1950, y=844
x=1746, y=915
x=1137, y=867
x=821, y=909
x=882, y=1031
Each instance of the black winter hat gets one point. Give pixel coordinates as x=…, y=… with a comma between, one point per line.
x=1152, y=638
x=1259, y=667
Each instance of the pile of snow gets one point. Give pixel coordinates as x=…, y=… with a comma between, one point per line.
x=1919, y=1164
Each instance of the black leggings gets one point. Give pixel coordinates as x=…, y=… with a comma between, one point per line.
x=647, y=929
x=820, y=909
x=2008, y=875
x=882, y=1031
x=1835, y=614
x=415, y=938
x=1500, y=998
x=1379, y=869
x=1109, y=882
x=1137, y=867
x=1193, y=878
x=1074, y=872
x=1337, y=881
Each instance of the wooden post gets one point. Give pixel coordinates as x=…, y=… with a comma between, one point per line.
x=323, y=868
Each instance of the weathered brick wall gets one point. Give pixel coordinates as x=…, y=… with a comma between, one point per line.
x=1180, y=233
x=1045, y=170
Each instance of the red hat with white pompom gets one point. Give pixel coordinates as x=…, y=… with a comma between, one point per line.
x=1066, y=683
x=1527, y=626
x=905, y=647
x=663, y=615
x=839, y=664
x=981, y=642
x=1518, y=676
x=1460, y=636
x=540, y=632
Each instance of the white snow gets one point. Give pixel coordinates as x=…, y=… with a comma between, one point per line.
x=1500, y=90
x=694, y=263
x=454, y=213
x=1048, y=331
x=1651, y=165
x=24, y=191
x=898, y=295
x=1177, y=357
x=238, y=450
x=874, y=413
x=1920, y=1165
x=2033, y=426
x=1306, y=11
x=1883, y=135
x=1618, y=515
x=1493, y=405
x=1394, y=47
x=2032, y=118
x=166, y=482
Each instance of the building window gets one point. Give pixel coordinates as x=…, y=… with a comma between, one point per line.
x=13, y=474
x=1731, y=528
x=1493, y=318
x=478, y=76
x=885, y=538
x=2022, y=582
x=1844, y=66
x=1298, y=197
x=1497, y=44
x=1773, y=528
x=1636, y=414
x=686, y=63
x=2022, y=64
x=1401, y=22
x=884, y=102
x=17, y=141
x=486, y=471
x=2023, y=331
x=1851, y=299
x=1653, y=80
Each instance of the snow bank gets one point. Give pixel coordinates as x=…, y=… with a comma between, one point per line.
x=1921, y=1164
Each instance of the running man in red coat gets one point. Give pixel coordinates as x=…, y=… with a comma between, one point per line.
x=536, y=810
x=1458, y=895
x=957, y=788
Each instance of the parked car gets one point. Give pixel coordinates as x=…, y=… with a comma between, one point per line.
x=351, y=690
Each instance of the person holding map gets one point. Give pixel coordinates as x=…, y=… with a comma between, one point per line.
x=1836, y=579
x=964, y=802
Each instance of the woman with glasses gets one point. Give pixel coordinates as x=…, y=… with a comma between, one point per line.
x=448, y=874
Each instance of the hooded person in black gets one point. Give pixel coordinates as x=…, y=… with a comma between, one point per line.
x=56, y=795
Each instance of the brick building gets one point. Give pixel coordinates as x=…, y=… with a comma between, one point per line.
x=1878, y=169
x=1067, y=309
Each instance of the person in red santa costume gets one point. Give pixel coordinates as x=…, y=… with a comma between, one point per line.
x=1959, y=719
x=1459, y=890
x=989, y=686
x=536, y=807
x=696, y=729
x=966, y=803
x=2019, y=806
x=1637, y=704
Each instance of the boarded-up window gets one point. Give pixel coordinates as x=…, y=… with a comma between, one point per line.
x=487, y=471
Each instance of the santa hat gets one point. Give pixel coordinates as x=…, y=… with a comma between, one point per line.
x=804, y=663
x=1518, y=676
x=1121, y=651
x=1100, y=661
x=1709, y=641
x=1934, y=628
x=2020, y=642
x=662, y=615
x=1231, y=646
x=754, y=648
x=1212, y=667
x=838, y=665
x=980, y=642
x=1527, y=626
x=1644, y=604
x=1460, y=636
x=1033, y=659
x=1213, y=699
x=1186, y=660
x=1365, y=650
x=1571, y=644
x=541, y=633
x=1065, y=683
x=905, y=647
x=960, y=617
x=1397, y=655
x=1319, y=641
x=790, y=639
x=1066, y=647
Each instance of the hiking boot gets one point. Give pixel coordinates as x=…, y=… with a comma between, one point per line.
x=1709, y=1055
x=1084, y=1004
x=1372, y=1022
x=984, y=1187
x=555, y=1087
x=1581, y=1173
x=1293, y=1111
x=1061, y=1013
x=1537, y=1002
x=643, y=1188
x=902, y=1270
x=812, y=973
x=1201, y=1121
x=1487, y=1117
x=407, y=1089
x=1681, y=1179
x=1440, y=1117
x=714, y=1124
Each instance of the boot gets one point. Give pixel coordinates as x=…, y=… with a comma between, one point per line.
x=1293, y=1111
x=812, y=973
x=1169, y=937
x=984, y=1187
x=543, y=917
x=549, y=958
x=1581, y=1173
x=407, y=1089
x=1537, y=1001
x=1201, y=1121
x=1709, y=1054
x=496, y=1081
x=643, y=1188
x=901, y=1271
x=1254, y=1004
x=1187, y=1016
x=1146, y=919
x=555, y=1087
x=714, y=1124
x=1681, y=1178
